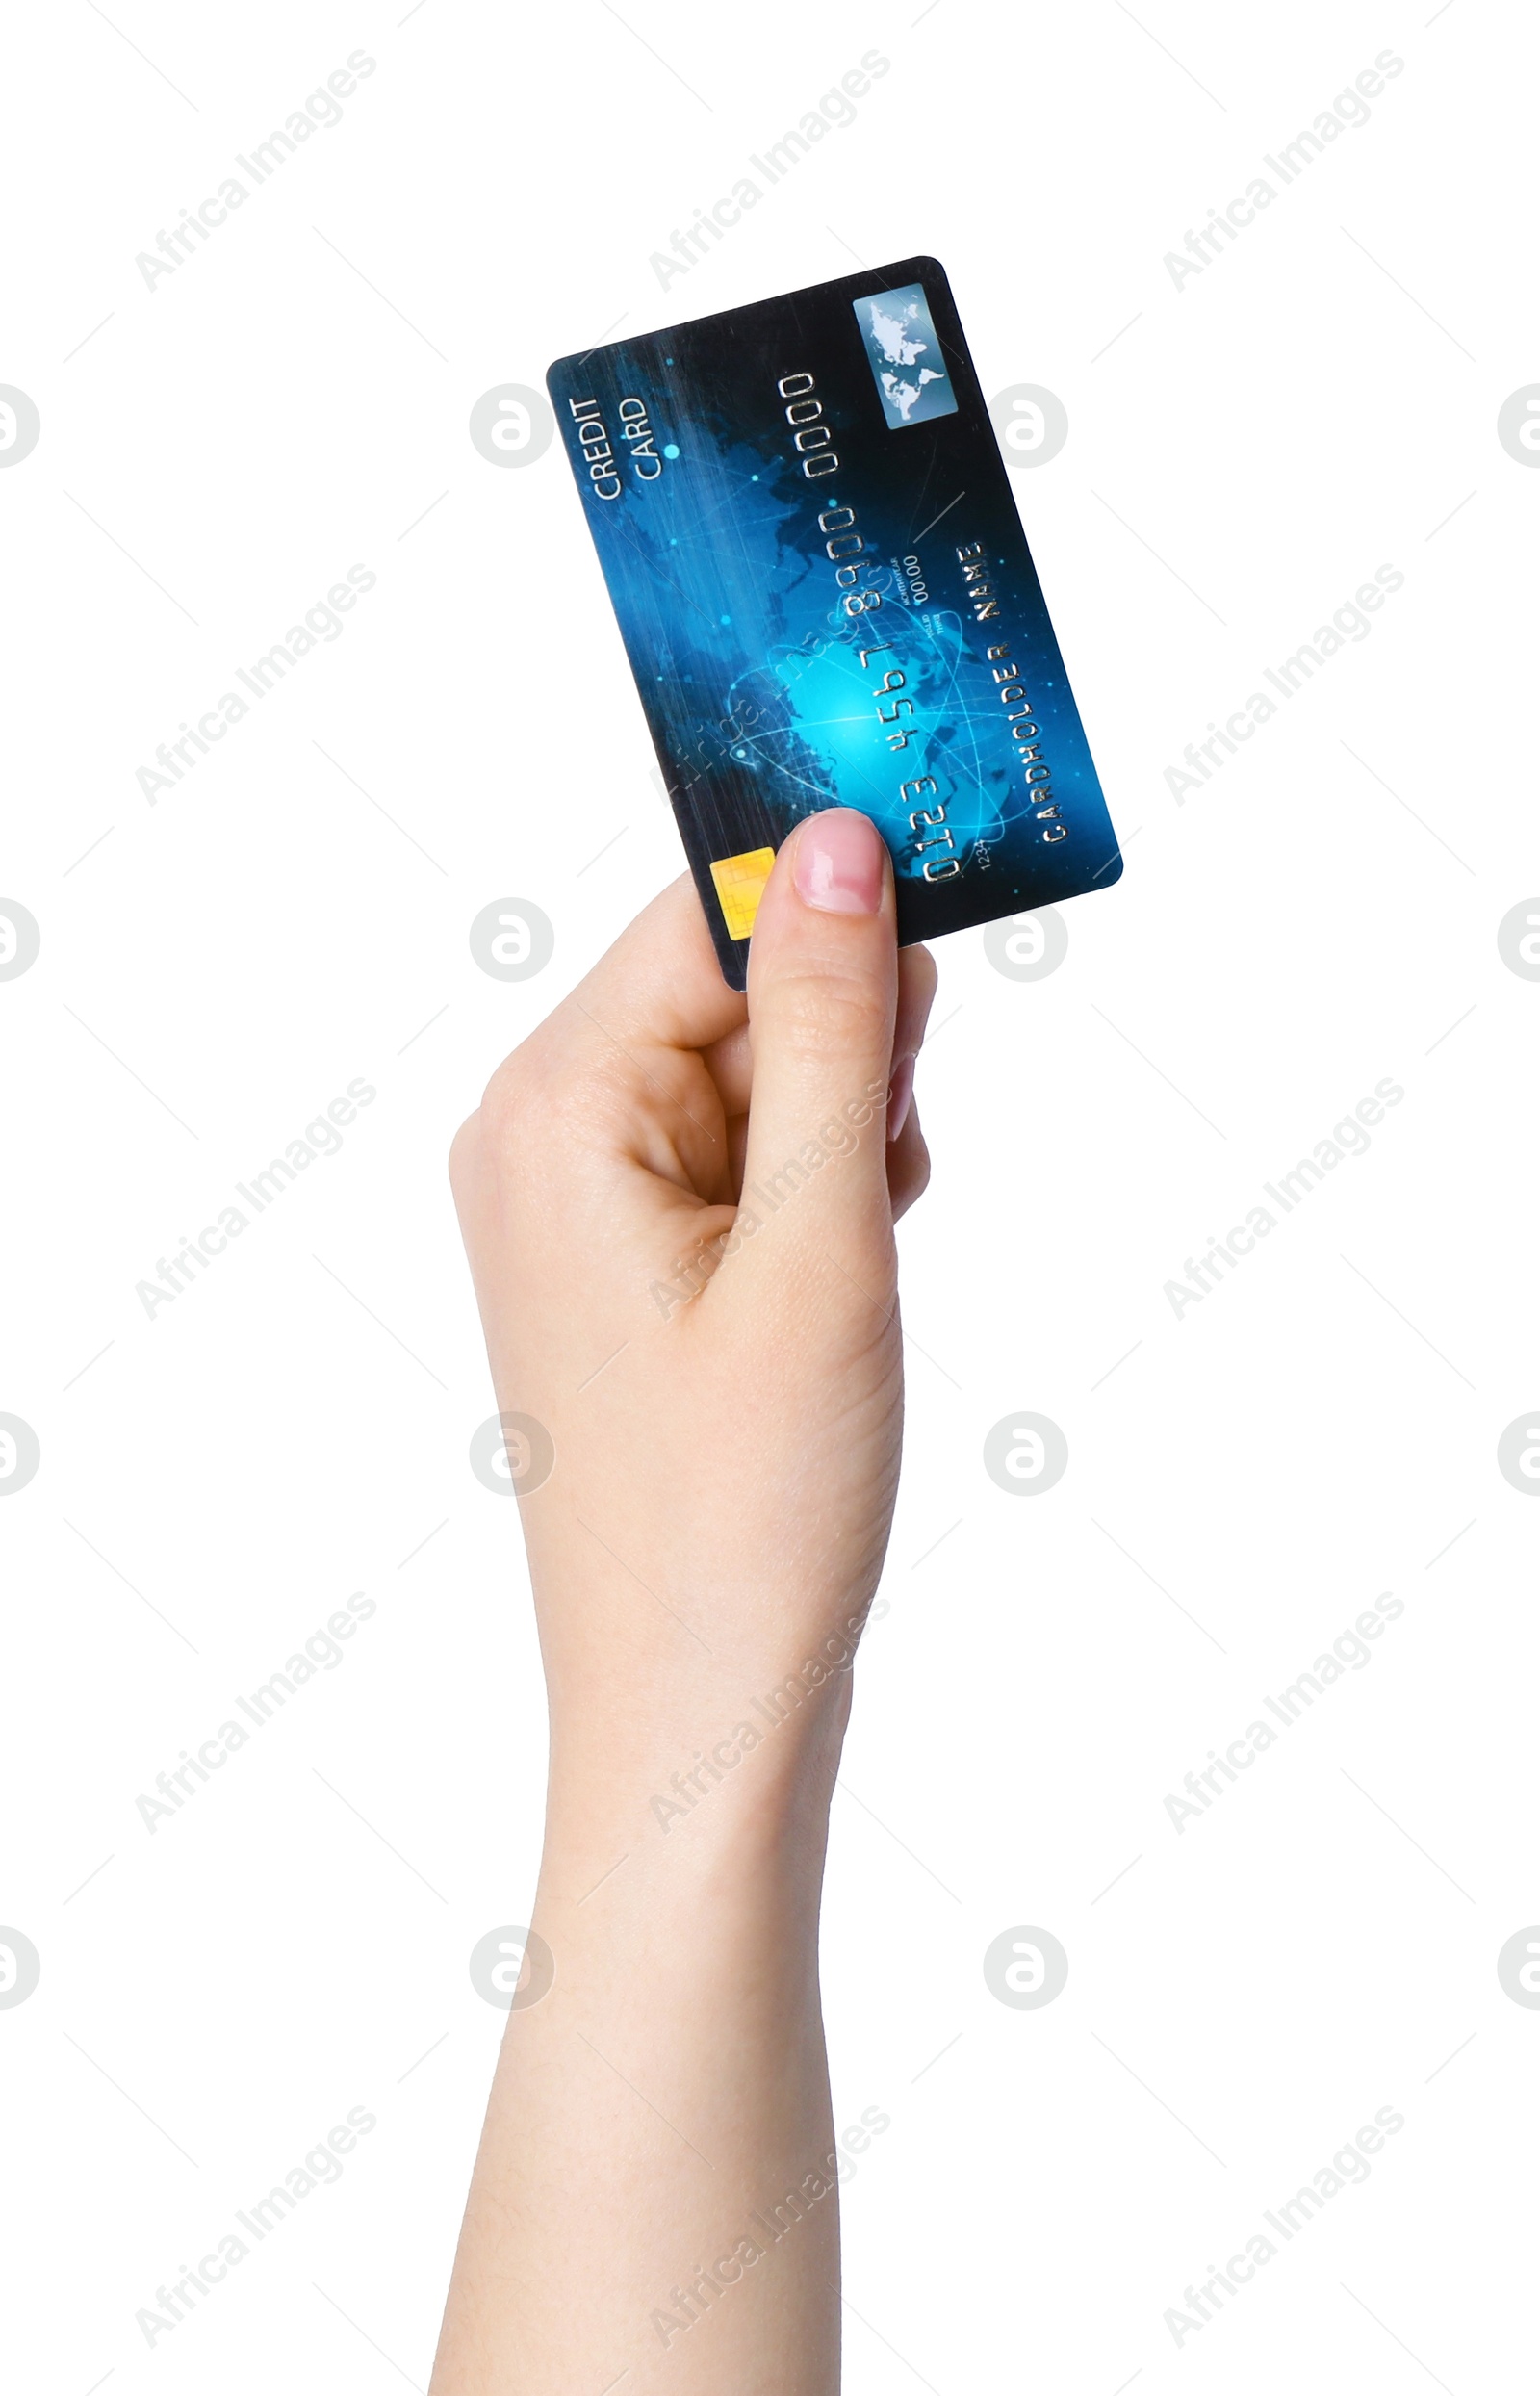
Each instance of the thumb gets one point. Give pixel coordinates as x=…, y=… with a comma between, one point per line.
x=823, y=989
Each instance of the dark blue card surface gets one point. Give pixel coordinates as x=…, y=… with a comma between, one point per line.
x=812, y=549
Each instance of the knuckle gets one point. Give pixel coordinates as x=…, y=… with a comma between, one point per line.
x=819, y=1019
x=911, y=1182
x=465, y=1152
x=509, y=1098
x=545, y=1086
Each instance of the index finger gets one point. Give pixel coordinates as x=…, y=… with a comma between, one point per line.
x=660, y=985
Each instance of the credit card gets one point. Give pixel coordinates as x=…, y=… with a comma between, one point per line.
x=812, y=549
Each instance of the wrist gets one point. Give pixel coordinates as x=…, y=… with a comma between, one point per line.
x=718, y=1785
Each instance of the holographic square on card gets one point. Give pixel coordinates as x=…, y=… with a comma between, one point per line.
x=906, y=361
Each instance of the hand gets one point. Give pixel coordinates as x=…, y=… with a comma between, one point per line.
x=678, y=1209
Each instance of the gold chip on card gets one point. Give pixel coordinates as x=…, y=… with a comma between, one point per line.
x=740, y=886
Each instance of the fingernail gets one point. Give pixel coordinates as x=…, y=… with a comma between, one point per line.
x=839, y=864
x=900, y=1091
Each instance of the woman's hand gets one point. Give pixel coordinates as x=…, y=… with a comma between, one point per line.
x=679, y=1208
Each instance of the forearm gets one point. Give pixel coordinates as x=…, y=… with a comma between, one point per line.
x=655, y=2189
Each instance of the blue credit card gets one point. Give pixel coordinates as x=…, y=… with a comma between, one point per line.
x=812, y=549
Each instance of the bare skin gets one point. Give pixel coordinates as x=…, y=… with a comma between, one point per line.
x=678, y=1209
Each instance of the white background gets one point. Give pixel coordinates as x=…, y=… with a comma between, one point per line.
x=1244, y=452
